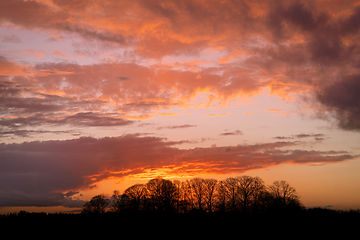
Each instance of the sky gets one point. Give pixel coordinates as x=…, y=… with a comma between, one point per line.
x=96, y=96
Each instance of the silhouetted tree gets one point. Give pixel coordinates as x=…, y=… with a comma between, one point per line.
x=177, y=185
x=249, y=190
x=163, y=194
x=136, y=195
x=120, y=202
x=231, y=193
x=209, y=193
x=239, y=193
x=185, y=200
x=283, y=193
x=97, y=204
x=235, y=194
x=198, y=191
x=221, y=196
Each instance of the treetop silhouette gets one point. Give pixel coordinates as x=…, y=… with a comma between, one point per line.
x=244, y=194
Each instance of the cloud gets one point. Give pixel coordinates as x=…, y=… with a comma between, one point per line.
x=274, y=110
x=10, y=39
x=51, y=172
x=9, y=68
x=342, y=99
x=158, y=28
x=82, y=119
x=237, y=132
x=60, y=54
x=90, y=33
x=95, y=95
x=177, y=126
x=217, y=115
x=249, y=112
x=32, y=14
x=169, y=114
x=28, y=133
x=91, y=119
x=304, y=135
x=316, y=136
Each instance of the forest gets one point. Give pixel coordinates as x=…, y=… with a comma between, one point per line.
x=203, y=207
x=242, y=194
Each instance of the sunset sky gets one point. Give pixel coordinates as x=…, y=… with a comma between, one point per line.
x=96, y=95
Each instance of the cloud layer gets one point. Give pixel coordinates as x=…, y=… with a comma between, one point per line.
x=291, y=48
x=48, y=173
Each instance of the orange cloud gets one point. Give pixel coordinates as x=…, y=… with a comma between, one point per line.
x=217, y=115
x=9, y=68
x=274, y=110
x=169, y=114
x=287, y=113
x=60, y=53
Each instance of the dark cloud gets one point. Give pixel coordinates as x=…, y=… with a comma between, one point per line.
x=89, y=33
x=283, y=138
x=351, y=24
x=70, y=193
x=323, y=34
x=301, y=16
x=52, y=172
x=29, y=105
x=237, y=132
x=342, y=99
x=177, y=126
x=304, y=135
x=123, y=78
x=85, y=119
x=327, y=48
x=296, y=14
x=36, y=173
x=91, y=119
x=28, y=133
x=316, y=136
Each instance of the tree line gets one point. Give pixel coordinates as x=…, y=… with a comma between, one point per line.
x=243, y=194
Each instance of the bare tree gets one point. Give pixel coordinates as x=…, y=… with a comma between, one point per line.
x=136, y=195
x=242, y=193
x=177, y=186
x=120, y=202
x=198, y=190
x=186, y=198
x=221, y=196
x=209, y=192
x=163, y=194
x=249, y=189
x=231, y=192
x=97, y=204
x=283, y=192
